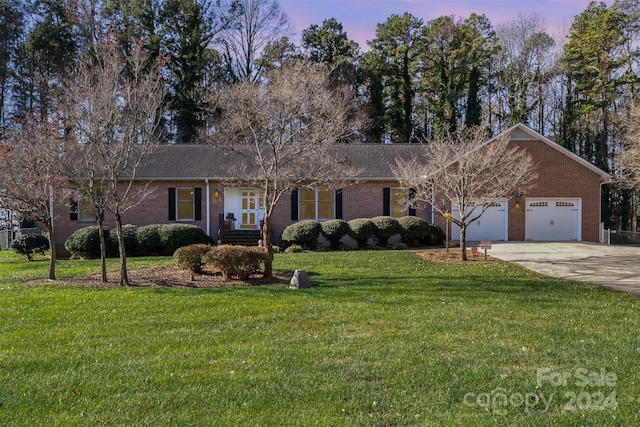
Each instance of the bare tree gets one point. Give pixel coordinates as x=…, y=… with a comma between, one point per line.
x=466, y=170
x=286, y=131
x=250, y=26
x=631, y=149
x=29, y=174
x=113, y=107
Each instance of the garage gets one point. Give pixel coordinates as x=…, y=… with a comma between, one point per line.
x=492, y=225
x=553, y=219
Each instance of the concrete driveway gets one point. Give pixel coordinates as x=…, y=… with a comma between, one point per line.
x=614, y=267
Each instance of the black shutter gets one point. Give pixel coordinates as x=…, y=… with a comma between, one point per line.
x=197, y=201
x=294, y=204
x=73, y=212
x=172, y=203
x=386, y=201
x=411, y=194
x=339, y=204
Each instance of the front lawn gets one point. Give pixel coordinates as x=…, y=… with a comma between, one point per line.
x=382, y=339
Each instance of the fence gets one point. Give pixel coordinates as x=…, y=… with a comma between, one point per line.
x=5, y=239
x=618, y=237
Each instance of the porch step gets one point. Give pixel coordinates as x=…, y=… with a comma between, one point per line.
x=240, y=237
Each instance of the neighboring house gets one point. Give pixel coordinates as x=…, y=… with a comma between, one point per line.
x=193, y=184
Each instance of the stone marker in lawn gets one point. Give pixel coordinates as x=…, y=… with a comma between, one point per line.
x=300, y=280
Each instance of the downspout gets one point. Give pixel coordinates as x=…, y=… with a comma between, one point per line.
x=208, y=205
x=433, y=200
x=51, y=206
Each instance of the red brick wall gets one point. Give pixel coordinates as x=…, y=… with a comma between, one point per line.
x=362, y=200
x=152, y=209
x=559, y=176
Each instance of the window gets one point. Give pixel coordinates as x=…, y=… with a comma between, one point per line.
x=396, y=202
x=184, y=204
x=316, y=204
x=86, y=212
x=82, y=209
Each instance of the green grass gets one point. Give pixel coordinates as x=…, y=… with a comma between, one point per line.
x=382, y=339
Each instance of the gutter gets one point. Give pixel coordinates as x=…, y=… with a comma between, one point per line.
x=208, y=205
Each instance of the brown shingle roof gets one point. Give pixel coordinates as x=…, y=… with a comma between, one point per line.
x=374, y=161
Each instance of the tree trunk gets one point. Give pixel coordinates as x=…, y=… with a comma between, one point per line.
x=266, y=241
x=124, y=278
x=52, y=251
x=463, y=242
x=103, y=249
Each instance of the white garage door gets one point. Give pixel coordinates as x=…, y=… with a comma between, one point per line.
x=553, y=219
x=492, y=225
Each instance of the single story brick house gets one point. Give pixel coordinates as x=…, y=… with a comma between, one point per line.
x=193, y=184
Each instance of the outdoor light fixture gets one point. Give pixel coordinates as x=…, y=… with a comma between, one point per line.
x=216, y=194
x=517, y=206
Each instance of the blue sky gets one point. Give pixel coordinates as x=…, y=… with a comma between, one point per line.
x=359, y=17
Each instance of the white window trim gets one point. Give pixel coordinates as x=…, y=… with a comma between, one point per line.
x=193, y=204
x=315, y=192
x=406, y=200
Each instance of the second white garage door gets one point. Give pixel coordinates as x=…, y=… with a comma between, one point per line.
x=553, y=219
x=492, y=225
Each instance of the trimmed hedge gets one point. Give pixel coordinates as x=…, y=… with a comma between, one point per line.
x=85, y=243
x=149, y=241
x=304, y=233
x=360, y=230
x=334, y=230
x=236, y=261
x=30, y=244
x=174, y=236
x=385, y=227
x=414, y=231
x=155, y=239
x=191, y=257
x=130, y=240
x=437, y=236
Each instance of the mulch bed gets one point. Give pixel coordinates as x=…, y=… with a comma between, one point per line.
x=173, y=277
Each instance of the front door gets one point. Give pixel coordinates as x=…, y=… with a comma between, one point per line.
x=251, y=207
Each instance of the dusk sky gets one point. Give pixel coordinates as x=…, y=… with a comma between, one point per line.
x=360, y=17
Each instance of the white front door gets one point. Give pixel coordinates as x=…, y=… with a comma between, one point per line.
x=553, y=219
x=492, y=225
x=251, y=207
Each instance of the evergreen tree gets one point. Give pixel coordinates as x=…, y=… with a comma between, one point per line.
x=11, y=29
x=188, y=28
x=44, y=57
x=394, y=55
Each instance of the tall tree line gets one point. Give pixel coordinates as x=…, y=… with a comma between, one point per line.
x=415, y=79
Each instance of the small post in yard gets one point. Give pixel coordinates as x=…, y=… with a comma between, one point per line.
x=485, y=244
x=447, y=220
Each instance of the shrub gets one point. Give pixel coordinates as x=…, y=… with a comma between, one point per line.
x=130, y=240
x=293, y=249
x=304, y=233
x=30, y=244
x=148, y=238
x=334, y=230
x=414, y=230
x=191, y=257
x=384, y=227
x=85, y=242
x=174, y=236
x=360, y=229
x=401, y=246
x=238, y=261
x=437, y=236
